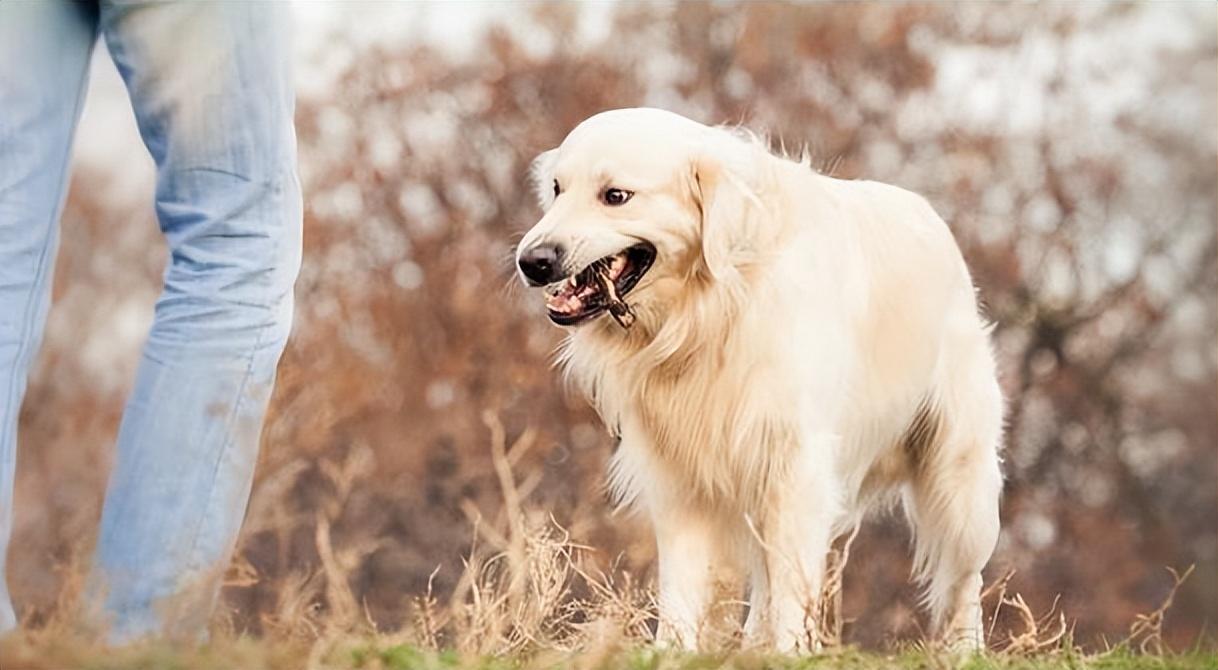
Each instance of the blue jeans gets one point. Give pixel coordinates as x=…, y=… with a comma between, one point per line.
x=212, y=91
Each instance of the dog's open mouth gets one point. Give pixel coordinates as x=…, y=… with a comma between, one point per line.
x=601, y=286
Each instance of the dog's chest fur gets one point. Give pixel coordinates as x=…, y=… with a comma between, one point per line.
x=723, y=442
x=719, y=441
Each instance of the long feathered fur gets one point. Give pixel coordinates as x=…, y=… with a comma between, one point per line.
x=806, y=349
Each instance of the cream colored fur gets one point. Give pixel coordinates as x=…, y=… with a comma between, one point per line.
x=806, y=349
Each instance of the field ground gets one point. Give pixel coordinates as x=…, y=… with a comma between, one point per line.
x=33, y=652
x=536, y=605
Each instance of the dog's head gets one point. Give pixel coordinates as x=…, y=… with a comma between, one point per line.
x=638, y=204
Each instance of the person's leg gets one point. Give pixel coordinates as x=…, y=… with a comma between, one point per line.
x=44, y=64
x=212, y=91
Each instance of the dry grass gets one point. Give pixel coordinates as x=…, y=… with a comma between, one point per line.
x=530, y=598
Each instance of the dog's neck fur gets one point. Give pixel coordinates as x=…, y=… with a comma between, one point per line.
x=660, y=381
x=658, y=377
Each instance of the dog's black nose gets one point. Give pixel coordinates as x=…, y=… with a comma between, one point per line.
x=541, y=264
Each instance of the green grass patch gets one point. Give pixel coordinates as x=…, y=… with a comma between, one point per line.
x=41, y=652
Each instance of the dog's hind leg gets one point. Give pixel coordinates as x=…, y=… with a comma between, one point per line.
x=952, y=500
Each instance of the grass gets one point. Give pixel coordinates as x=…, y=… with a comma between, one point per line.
x=529, y=601
x=374, y=653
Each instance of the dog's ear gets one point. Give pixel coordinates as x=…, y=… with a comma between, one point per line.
x=722, y=185
x=541, y=174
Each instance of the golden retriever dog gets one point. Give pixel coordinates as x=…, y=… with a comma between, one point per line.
x=778, y=352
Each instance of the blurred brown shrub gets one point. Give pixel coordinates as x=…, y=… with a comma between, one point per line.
x=1070, y=147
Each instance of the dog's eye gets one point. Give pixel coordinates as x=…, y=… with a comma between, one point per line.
x=616, y=196
x=557, y=189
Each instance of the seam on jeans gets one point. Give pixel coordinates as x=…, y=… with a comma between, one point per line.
x=194, y=564
x=23, y=346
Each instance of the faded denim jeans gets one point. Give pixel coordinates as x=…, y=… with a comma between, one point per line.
x=212, y=92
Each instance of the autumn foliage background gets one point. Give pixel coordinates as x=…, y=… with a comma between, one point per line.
x=1070, y=147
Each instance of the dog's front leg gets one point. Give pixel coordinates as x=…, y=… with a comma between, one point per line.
x=792, y=540
x=688, y=544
